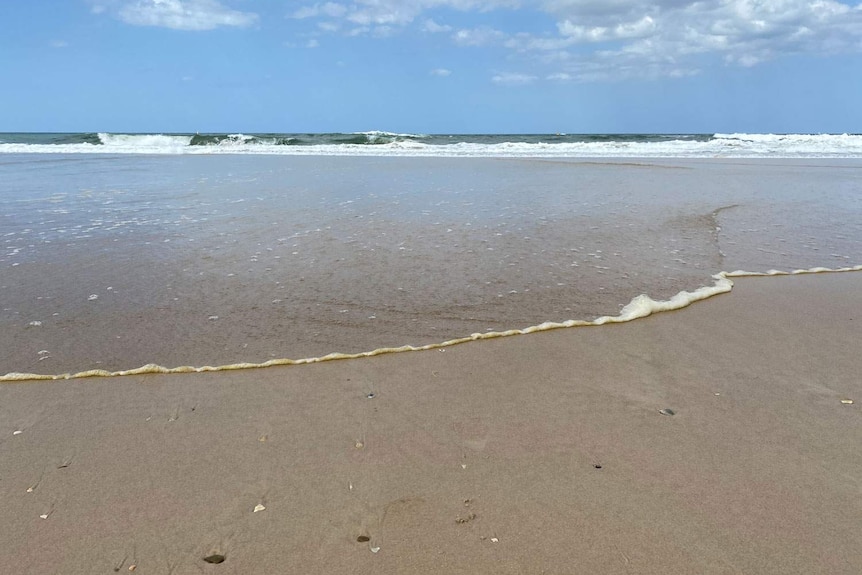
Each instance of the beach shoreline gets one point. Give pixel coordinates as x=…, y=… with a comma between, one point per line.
x=543, y=453
x=114, y=262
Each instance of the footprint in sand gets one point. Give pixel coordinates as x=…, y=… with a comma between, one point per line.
x=472, y=433
x=372, y=522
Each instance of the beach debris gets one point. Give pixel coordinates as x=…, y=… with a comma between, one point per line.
x=667, y=411
x=371, y=395
x=847, y=401
x=17, y=432
x=359, y=445
x=132, y=567
x=120, y=564
x=35, y=323
x=212, y=317
x=93, y=297
x=463, y=466
x=215, y=558
x=263, y=438
x=597, y=465
x=363, y=539
x=462, y=520
x=494, y=540
x=374, y=549
x=258, y=507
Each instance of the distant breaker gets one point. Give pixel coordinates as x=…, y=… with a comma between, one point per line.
x=379, y=143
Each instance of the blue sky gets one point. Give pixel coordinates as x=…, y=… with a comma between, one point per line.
x=431, y=66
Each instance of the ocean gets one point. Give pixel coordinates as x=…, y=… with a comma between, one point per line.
x=378, y=143
x=118, y=251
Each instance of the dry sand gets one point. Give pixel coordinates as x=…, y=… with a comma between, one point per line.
x=531, y=454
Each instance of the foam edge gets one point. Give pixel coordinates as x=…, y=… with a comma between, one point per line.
x=640, y=307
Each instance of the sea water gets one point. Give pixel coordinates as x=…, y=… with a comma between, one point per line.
x=112, y=261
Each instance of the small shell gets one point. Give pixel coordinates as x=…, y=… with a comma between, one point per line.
x=847, y=401
x=258, y=507
x=375, y=549
x=667, y=411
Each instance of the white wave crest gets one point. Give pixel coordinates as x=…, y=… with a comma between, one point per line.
x=719, y=146
x=145, y=143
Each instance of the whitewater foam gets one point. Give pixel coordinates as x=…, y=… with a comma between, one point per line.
x=381, y=143
x=640, y=307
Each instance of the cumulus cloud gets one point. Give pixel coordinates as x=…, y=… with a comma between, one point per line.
x=670, y=38
x=513, y=79
x=606, y=39
x=442, y=72
x=398, y=13
x=176, y=14
x=434, y=28
x=481, y=36
x=330, y=9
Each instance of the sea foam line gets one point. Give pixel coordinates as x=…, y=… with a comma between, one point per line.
x=640, y=307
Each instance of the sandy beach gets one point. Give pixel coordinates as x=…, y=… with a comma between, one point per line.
x=544, y=453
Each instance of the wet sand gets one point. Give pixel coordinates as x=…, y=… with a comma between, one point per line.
x=544, y=453
x=116, y=262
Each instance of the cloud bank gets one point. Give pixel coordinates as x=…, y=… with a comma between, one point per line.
x=177, y=14
x=611, y=39
x=574, y=40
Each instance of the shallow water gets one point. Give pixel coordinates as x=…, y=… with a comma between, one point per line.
x=198, y=260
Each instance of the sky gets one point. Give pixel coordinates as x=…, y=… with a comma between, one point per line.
x=431, y=66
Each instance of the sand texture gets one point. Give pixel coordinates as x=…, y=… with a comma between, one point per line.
x=544, y=453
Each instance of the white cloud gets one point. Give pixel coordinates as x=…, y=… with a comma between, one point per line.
x=578, y=33
x=477, y=36
x=434, y=27
x=329, y=9
x=590, y=40
x=442, y=72
x=636, y=38
x=513, y=79
x=178, y=14
x=398, y=13
x=59, y=44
